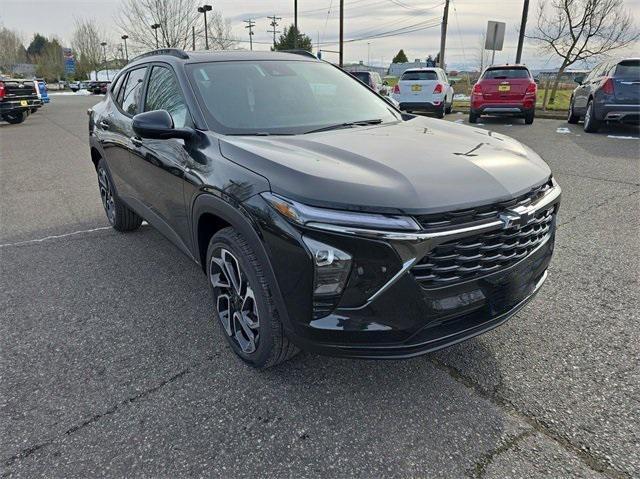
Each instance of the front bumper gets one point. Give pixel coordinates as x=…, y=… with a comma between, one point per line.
x=385, y=311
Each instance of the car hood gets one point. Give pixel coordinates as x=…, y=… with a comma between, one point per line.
x=418, y=166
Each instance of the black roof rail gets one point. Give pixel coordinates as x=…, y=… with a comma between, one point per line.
x=174, y=52
x=300, y=51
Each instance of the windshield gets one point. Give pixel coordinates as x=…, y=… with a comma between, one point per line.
x=282, y=97
x=502, y=73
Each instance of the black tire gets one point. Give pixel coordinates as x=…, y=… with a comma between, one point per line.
x=16, y=117
x=270, y=345
x=591, y=124
x=441, y=112
x=571, y=116
x=529, y=117
x=121, y=217
x=473, y=116
x=448, y=109
x=33, y=110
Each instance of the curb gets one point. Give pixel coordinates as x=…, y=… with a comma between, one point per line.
x=545, y=115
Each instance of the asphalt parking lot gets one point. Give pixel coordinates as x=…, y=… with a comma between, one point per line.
x=111, y=364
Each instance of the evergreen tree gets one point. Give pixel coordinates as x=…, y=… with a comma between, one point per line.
x=400, y=57
x=287, y=40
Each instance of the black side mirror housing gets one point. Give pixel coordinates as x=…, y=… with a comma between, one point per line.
x=158, y=125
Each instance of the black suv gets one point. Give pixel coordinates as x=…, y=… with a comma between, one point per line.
x=323, y=217
x=609, y=93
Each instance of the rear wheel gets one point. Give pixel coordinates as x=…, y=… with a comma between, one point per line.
x=572, y=117
x=16, y=117
x=441, y=111
x=473, y=116
x=528, y=118
x=121, y=217
x=244, y=306
x=591, y=124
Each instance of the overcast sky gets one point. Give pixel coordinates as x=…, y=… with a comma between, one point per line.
x=319, y=19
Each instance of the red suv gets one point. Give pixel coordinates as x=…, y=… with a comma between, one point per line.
x=504, y=90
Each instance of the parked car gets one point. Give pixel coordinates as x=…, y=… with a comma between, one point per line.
x=508, y=90
x=17, y=98
x=323, y=218
x=609, y=93
x=74, y=86
x=99, y=87
x=424, y=89
x=373, y=80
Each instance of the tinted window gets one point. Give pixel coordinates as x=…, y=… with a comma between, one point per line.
x=417, y=76
x=116, y=86
x=286, y=97
x=164, y=93
x=130, y=98
x=362, y=76
x=628, y=69
x=505, y=73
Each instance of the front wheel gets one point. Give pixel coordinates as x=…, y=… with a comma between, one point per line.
x=591, y=124
x=121, y=217
x=243, y=304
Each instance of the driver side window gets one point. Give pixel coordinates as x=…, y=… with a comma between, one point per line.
x=163, y=93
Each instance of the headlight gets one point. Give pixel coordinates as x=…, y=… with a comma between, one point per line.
x=304, y=214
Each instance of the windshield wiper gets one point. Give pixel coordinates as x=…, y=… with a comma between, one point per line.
x=349, y=124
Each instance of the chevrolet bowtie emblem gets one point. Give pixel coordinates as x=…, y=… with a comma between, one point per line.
x=511, y=218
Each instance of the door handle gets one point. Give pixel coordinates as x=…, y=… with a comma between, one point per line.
x=105, y=125
x=136, y=141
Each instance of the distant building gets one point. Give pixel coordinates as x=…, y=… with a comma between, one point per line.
x=103, y=75
x=26, y=70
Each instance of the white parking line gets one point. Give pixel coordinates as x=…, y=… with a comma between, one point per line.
x=47, y=238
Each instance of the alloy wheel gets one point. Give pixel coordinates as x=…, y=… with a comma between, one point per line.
x=235, y=300
x=106, y=193
x=587, y=115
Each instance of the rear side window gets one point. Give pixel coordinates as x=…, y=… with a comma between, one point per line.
x=116, y=86
x=628, y=69
x=164, y=93
x=505, y=73
x=416, y=76
x=129, y=99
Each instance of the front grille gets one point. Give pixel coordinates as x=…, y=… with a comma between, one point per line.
x=470, y=216
x=482, y=254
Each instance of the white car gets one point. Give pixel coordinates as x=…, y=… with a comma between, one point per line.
x=424, y=89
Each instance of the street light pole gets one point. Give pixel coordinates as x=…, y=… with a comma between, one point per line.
x=104, y=53
x=341, y=57
x=126, y=52
x=155, y=27
x=204, y=9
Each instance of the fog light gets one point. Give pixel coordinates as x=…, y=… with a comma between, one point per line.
x=331, y=268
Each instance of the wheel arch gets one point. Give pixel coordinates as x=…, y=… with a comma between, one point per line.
x=210, y=214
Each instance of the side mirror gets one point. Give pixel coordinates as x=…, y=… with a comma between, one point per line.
x=158, y=125
x=385, y=83
x=579, y=80
x=452, y=82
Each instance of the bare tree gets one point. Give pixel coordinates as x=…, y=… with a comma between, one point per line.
x=175, y=17
x=579, y=30
x=87, y=36
x=220, y=34
x=483, y=54
x=12, y=50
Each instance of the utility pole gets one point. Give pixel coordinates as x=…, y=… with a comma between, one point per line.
x=204, y=9
x=523, y=27
x=193, y=38
x=342, y=33
x=274, y=26
x=295, y=23
x=250, y=25
x=443, y=33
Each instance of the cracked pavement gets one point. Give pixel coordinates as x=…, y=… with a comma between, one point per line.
x=111, y=366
